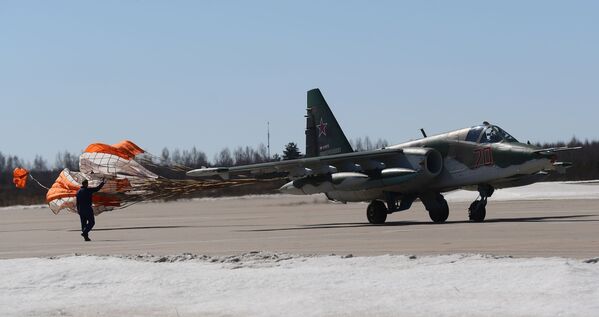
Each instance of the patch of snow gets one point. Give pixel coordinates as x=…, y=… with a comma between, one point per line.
x=266, y=284
x=537, y=191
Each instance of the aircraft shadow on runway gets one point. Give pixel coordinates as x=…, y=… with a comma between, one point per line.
x=571, y=218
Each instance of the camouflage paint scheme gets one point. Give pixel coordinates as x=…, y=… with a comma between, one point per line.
x=468, y=163
x=480, y=158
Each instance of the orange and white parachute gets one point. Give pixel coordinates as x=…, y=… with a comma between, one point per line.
x=125, y=178
x=62, y=194
x=114, y=160
x=126, y=181
x=20, y=177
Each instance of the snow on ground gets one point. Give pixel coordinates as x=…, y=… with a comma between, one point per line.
x=265, y=284
x=538, y=191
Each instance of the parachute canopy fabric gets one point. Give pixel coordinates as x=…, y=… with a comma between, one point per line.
x=126, y=181
x=114, y=160
x=20, y=177
x=63, y=193
x=125, y=149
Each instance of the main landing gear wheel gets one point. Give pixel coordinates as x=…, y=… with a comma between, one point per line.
x=478, y=210
x=376, y=212
x=440, y=211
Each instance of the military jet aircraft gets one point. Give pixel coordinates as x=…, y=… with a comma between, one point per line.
x=484, y=158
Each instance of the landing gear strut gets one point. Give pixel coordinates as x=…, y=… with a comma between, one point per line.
x=435, y=203
x=478, y=210
x=376, y=212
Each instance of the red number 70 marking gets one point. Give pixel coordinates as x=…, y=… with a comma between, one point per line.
x=483, y=157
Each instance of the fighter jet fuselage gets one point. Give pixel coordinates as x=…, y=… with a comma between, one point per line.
x=484, y=158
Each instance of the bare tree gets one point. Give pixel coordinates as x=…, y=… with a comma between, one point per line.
x=67, y=160
x=261, y=155
x=39, y=164
x=365, y=144
x=194, y=158
x=224, y=158
x=381, y=143
x=12, y=162
x=2, y=162
x=368, y=144
x=357, y=144
x=165, y=158
x=244, y=156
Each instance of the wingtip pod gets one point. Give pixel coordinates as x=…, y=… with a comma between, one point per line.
x=20, y=177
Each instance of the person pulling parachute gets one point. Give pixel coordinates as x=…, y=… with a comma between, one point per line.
x=110, y=177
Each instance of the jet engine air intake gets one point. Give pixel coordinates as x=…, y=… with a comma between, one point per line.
x=432, y=160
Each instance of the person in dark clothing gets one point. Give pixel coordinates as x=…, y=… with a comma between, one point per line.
x=84, y=208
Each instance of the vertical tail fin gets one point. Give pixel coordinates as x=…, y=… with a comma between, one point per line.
x=323, y=133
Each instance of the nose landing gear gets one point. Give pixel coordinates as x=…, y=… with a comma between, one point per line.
x=478, y=210
x=376, y=212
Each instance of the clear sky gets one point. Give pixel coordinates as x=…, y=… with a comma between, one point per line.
x=210, y=74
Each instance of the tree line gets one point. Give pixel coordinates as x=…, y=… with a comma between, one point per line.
x=585, y=161
x=192, y=158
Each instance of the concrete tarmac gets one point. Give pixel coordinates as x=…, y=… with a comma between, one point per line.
x=306, y=225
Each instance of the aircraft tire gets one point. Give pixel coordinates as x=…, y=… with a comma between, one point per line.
x=477, y=211
x=376, y=212
x=441, y=212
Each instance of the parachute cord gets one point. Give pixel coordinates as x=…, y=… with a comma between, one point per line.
x=35, y=180
x=172, y=165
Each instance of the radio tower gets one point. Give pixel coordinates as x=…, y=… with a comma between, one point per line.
x=268, y=138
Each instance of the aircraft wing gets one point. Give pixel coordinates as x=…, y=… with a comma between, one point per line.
x=404, y=169
x=332, y=165
x=355, y=161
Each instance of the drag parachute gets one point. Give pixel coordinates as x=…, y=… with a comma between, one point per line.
x=20, y=177
x=63, y=193
x=126, y=181
x=114, y=161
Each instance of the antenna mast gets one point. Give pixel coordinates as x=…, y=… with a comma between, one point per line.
x=268, y=138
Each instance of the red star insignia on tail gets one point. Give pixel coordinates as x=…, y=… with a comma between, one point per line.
x=322, y=128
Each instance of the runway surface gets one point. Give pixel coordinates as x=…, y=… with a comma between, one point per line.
x=307, y=225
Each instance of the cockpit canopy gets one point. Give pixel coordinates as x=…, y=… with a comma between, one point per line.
x=488, y=133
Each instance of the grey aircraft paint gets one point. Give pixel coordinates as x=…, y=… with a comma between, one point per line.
x=483, y=158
